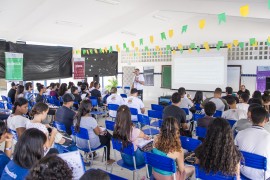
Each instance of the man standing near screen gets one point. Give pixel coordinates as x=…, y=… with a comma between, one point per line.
x=138, y=83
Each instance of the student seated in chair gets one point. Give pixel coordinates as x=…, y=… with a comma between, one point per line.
x=209, y=109
x=243, y=102
x=221, y=104
x=16, y=121
x=114, y=98
x=96, y=93
x=41, y=90
x=233, y=113
x=167, y=143
x=255, y=140
x=185, y=101
x=218, y=153
x=229, y=93
x=134, y=102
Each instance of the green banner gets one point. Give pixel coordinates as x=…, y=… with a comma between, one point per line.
x=14, y=66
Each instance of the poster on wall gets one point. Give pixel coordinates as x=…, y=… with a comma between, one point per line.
x=79, y=68
x=262, y=73
x=148, y=73
x=14, y=66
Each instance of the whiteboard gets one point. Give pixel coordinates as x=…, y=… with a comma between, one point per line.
x=234, y=77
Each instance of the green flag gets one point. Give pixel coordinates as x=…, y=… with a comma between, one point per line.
x=91, y=51
x=84, y=51
x=163, y=36
x=181, y=51
x=155, y=53
x=124, y=45
x=221, y=18
x=184, y=28
x=134, y=54
x=100, y=50
x=268, y=43
x=111, y=49
x=252, y=41
x=127, y=49
x=168, y=47
x=141, y=41
x=241, y=45
x=167, y=52
x=198, y=49
x=192, y=45
x=146, y=48
x=219, y=44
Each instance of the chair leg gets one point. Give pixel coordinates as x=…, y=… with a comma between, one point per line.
x=133, y=175
x=106, y=158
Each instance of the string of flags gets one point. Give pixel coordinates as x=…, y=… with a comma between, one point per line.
x=222, y=18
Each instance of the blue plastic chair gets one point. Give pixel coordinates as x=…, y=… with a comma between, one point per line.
x=59, y=126
x=123, y=95
x=155, y=114
x=129, y=150
x=2, y=105
x=109, y=125
x=198, y=107
x=113, y=107
x=231, y=122
x=254, y=161
x=186, y=111
x=160, y=162
x=198, y=116
x=83, y=134
x=14, y=133
x=201, y=132
x=94, y=102
x=211, y=176
x=113, y=176
x=50, y=100
x=144, y=120
x=119, y=87
x=127, y=87
x=189, y=144
x=9, y=106
x=134, y=112
x=157, y=107
x=57, y=102
x=4, y=98
x=218, y=113
x=160, y=123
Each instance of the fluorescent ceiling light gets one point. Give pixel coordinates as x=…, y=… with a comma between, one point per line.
x=112, y=2
x=162, y=18
x=68, y=23
x=128, y=33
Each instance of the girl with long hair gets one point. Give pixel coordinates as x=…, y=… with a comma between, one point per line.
x=28, y=150
x=257, y=96
x=266, y=100
x=218, y=152
x=198, y=98
x=96, y=134
x=63, y=89
x=126, y=132
x=17, y=121
x=167, y=143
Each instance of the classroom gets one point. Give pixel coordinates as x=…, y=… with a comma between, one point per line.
x=133, y=89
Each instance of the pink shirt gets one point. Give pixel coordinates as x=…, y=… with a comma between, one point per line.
x=134, y=137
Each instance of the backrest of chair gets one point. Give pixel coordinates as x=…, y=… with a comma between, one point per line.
x=82, y=134
x=218, y=113
x=94, y=102
x=123, y=95
x=198, y=116
x=201, y=132
x=160, y=162
x=133, y=111
x=155, y=114
x=186, y=110
x=143, y=119
x=4, y=98
x=57, y=102
x=157, y=107
x=109, y=125
x=113, y=107
x=210, y=176
x=60, y=126
x=189, y=144
x=50, y=100
x=127, y=87
x=117, y=145
x=254, y=160
x=14, y=133
x=2, y=105
x=198, y=106
x=9, y=106
x=93, y=97
x=160, y=121
x=231, y=122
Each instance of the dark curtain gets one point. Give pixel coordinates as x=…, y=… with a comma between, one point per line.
x=44, y=62
x=3, y=49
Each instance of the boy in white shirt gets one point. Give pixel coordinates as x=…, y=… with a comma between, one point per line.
x=243, y=102
x=185, y=102
x=255, y=140
x=134, y=102
x=114, y=98
x=233, y=113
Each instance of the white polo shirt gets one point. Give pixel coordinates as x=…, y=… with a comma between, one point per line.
x=242, y=106
x=186, y=103
x=234, y=114
x=115, y=99
x=254, y=140
x=137, y=85
x=134, y=102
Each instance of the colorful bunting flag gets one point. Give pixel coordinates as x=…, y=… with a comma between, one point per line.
x=268, y=39
x=91, y=51
x=170, y=33
x=100, y=50
x=202, y=23
x=173, y=52
x=219, y=44
x=221, y=18
x=111, y=49
x=141, y=41
x=96, y=51
x=229, y=46
x=155, y=53
x=84, y=51
x=149, y=53
x=206, y=46
x=168, y=47
x=180, y=46
x=124, y=45
x=181, y=51
x=241, y=45
x=132, y=44
x=152, y=39
x=163, y=36
x=244, y=10
x=146, y=48
x=235, y=43
x=184, y=28
x=252, y=41
x=127, y=49
x=160, y=52
x=189, y=50
x=192, y=45
x=157, y=48
x=136, y=49
x=78, y=52
x=198, y=49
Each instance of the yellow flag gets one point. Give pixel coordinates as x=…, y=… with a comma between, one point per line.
x=206, y=46
x=268, y=39
x=136, y=49
x=152, y=39
x=171, y=33
x=139, y=54
x=235, y=42
x=96, y=51
x=157, y=48
x=244, y=10
x=173, y=52
x=189, y=50
x=74, y=52
x=117, y=47
x=130, y=54
x=160, y=52
x=180, y=46
x=132, y=44
x=105, y=50
x=255, y=44
x=202, y=23
x=149, y=53
x=229, y=46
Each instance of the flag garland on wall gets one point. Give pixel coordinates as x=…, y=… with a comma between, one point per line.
x=244, y=11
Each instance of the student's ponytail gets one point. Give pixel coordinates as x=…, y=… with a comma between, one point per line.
x=19, y=102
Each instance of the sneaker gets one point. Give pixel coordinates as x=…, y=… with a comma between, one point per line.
x=109, y=162
x=96, y=155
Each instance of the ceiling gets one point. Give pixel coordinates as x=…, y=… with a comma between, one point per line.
x=91, y=23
